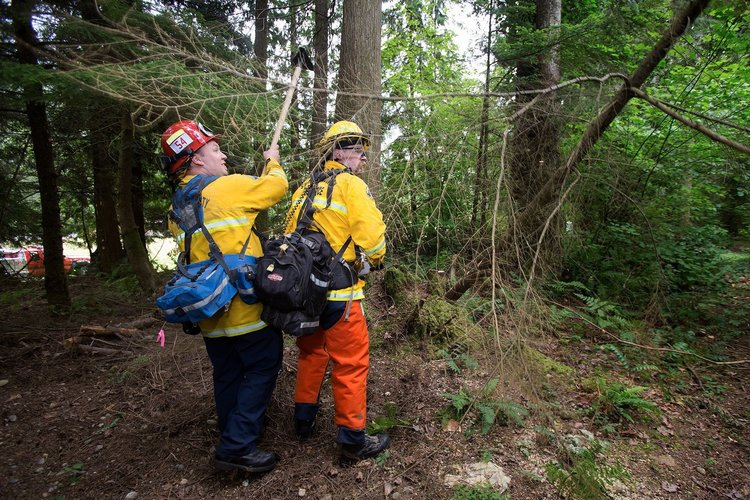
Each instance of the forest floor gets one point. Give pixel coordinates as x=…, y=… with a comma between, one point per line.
x=138, y=422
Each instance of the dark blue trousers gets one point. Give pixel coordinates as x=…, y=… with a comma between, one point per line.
x=245, y=371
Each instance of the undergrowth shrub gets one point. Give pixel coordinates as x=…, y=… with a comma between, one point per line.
x=627, y=264
x=581, y=470
x=481, y=492
x=617, y=402
x=481, y=408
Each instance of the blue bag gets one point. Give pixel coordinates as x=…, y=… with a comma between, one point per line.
x=200, y=290
x=242, y=275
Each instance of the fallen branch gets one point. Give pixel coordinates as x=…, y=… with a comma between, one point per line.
x=101, y=350
x=93, y=330
x=96, y=331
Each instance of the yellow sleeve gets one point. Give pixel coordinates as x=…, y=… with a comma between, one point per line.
x=261, y=193
x=365, y=221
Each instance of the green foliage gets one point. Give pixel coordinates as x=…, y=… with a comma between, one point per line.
x=617, y=402
x=483, y=409
x=382, y=458
x=582, y=472
x=13, y=297
x=481, y=492
x=387, y=420
x=603, y=313
x=75, y=472
x=457, y=358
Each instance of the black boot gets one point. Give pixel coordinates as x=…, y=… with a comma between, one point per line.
x=304, y=429
x=372, y=446
x=257, y=461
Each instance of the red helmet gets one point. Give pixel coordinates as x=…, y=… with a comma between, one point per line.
x=180, y=142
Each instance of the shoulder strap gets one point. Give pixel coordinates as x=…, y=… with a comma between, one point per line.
x=187, y=211
x=307, y=211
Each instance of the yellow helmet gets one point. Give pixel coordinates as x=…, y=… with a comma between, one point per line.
x=344, y=132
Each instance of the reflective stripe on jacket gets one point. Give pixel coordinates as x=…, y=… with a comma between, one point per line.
x=230, y=205
x=352, y=212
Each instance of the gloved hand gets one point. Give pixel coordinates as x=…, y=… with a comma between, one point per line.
x=363, y=268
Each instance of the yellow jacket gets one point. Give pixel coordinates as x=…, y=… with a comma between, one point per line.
x=230, y=205
x=352, y=213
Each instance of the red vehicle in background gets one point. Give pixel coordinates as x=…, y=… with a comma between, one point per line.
x=30, y=260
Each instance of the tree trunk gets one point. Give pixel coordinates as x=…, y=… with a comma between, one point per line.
x=109, y=251
x=55, y=282
x=136, y=186
x=260, y=47
x=479, y=200
x=297, y=109
x=320, y=48
x=534, y=151
x=359, y=72
x=550, y=191
x=134, y=248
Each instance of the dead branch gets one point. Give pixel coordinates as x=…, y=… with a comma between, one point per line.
x=93, y=330
x=96, y=331
x=101, y=350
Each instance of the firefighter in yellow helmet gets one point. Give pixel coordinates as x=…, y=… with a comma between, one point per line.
x=348, y=212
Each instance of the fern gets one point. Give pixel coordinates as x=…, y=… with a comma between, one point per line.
x=581, y=475
x=617, y=402
x=449, y=361
x=618, y=354
x=602, y=313
x=512, y=412
x=645, y=367
x=459, y=402
x=455, y=354
x=488, y=414
x=488, y=411
x=468, y=361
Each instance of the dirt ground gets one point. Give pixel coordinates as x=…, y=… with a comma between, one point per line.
x=137, y=421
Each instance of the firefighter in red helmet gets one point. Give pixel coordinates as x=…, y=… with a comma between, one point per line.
x=245, y=352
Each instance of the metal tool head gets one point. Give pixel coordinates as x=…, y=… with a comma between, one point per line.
x=302, y=59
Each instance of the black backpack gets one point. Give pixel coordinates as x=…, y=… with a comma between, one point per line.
x=297, y=270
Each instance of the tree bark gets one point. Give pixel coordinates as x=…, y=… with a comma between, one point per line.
x=134, y=247
x=535, y=147
x=55, y=281
x=320, y=48
x=136, y=187
x=479, y=200
x=260, y=47
x=359, y=73
x=594, y=131
x=109, y=251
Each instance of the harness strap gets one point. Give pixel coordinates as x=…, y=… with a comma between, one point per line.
x=179, y=204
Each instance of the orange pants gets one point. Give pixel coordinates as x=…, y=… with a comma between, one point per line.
x=346, y=344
